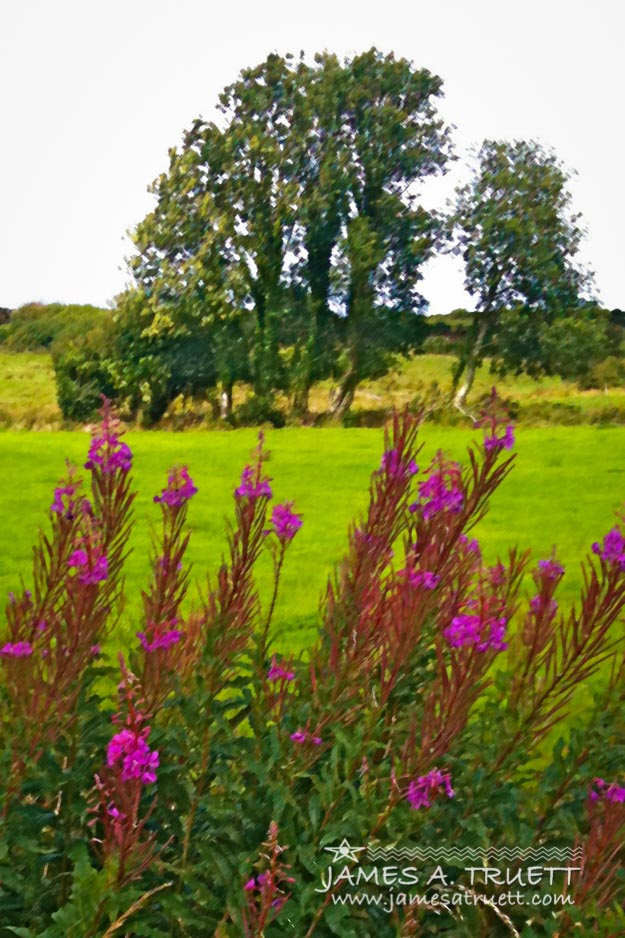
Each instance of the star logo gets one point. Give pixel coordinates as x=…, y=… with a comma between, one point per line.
x=345, y=851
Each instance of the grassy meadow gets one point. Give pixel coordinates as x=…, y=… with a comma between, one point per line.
x=566, y=485
x=28, y=393
x=564, y=489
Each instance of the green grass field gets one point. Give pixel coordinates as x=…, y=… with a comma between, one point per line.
x=564, y=490
x=27, y=390
x=28, y=394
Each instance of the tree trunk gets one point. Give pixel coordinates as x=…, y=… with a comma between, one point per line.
x=299, y=407
x=226, y=400
x=470, y=367
x=344, y=396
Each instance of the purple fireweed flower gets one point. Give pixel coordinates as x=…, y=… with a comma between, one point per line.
x=497, y=574
x=464, y=630
x=538, y=606
x=285, y=522
x=17, y=650
x=132, y=751
x=494, y=442
x=93, y=570
x=95, y=650
x=471, y=545
x=277, y=673
x=63, y=504
x=613, y=549
x=395, y=467
x=257, y=882
x=495, y=639
x=78, y=559
x=421, y=790
x=470, y=629
x=250, y=487
x=109, y=454
x=180, y=488
x=115, y=813
x=301, y=737
x=436, y=496
x=424, y=578
x=550, y=569
x=164, y=641
x=613, y=793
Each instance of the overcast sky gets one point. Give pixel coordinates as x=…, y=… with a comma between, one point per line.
x=94, y=93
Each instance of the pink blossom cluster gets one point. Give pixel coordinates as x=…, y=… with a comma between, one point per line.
x=613, y=548
x=180, y=488
x=550, y=569
x=439, y=492
x=251, y=486
x=16, y=650
x=421, y=791
x=160, y=642
x=130, y=748
x=420, y=578
x=63, y=503
x=494, y=442
x=607, y=792
x=109, y=453
x=285, y=522
x=302, y=736
x=93, y=569
x=277, y=673
x=539, y=606
x=472, y=629
x=396, y=467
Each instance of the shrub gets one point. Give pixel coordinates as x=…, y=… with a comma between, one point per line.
x=38, y=326
x=438, y=345
x=231, y=789
x=610, y=372
x=259, y=409
x=81, y=375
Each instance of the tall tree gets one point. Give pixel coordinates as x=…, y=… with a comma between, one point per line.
x=297, y=219
x=390, y=137
x=519, y=239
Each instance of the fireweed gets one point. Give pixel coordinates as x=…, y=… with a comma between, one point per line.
x=436, y=708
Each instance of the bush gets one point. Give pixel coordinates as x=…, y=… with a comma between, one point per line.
x=438, y=345
x=82, y=376
x=259, y=409
x=608, y=373
x=230, y=789
x=37, y=326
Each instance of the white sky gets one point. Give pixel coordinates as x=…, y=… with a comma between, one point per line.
x=94, y=93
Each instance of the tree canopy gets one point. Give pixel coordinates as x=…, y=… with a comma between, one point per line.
x=289, y=236
x=519, y=240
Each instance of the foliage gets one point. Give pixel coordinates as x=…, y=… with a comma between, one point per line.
x=36, y=325
x=293, y=226
x=81, y=374
x=518, y=239
x=432, y=702
x=565, y=345
x=608, y=372
x=142, y=371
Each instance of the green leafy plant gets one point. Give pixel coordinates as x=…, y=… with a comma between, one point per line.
x=209, y=793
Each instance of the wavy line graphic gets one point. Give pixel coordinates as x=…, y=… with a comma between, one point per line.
x=464, y=854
